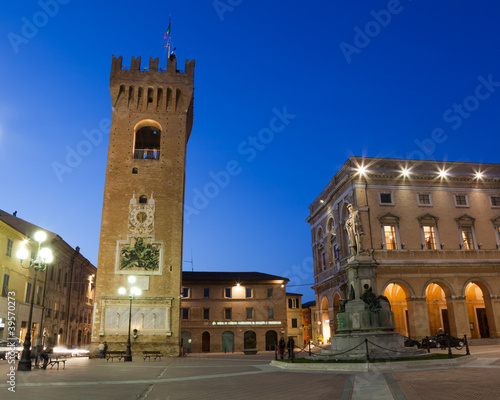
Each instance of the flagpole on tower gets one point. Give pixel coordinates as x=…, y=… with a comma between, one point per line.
x=167, y=35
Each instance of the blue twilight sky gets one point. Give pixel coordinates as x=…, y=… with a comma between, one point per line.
x=374, y=78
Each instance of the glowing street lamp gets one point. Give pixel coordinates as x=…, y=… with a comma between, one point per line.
x=132, y=293
x=43, y=258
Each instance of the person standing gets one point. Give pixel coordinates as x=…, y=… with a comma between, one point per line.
x=101, y=350
x=290, y=346
x=105, y=349
x=281, y=347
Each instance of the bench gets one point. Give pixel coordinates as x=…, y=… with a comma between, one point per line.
x=148, y=354
x=113, y=354
x=54, y=359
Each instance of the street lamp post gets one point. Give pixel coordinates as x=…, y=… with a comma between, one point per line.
x=43, y=258
x=133, y=291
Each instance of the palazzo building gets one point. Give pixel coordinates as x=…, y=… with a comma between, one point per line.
x=233, y=311
x=64, y=292
x=143, y=207
x=433, y=230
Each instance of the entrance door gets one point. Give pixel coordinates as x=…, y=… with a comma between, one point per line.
x=271, y=340
x=446, y=321
x=205, y=342
x=482, y=320
x=228, y=342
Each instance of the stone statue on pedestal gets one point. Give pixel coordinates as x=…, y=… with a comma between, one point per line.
x=355, y=231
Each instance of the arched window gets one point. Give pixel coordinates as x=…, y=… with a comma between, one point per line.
x=147, y=140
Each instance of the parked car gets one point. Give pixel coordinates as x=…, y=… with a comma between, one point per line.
x=409, y=342
x=441, y=342
x=432, y=343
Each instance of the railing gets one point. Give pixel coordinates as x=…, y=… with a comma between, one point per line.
x=147, y=154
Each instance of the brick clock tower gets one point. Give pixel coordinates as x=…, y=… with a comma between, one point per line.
x=142, y=216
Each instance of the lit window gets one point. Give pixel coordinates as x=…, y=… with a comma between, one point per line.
x=391, y=242
x=466, y=231
x=390, y=231
x=467, y=237
x=429, y=237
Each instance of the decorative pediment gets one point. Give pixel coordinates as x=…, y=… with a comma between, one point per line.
x=465, y=220
x=428, y=219
x=389, y=218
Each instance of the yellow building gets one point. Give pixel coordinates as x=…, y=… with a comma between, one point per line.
x=66, y=284
x=294, y=318
x=232, y=311
x=433, y=229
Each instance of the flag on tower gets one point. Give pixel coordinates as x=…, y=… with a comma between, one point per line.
x=168, y=30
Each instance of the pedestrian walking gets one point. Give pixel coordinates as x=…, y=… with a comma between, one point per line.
x=101, y=350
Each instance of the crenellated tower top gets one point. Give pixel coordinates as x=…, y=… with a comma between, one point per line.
x=152, y=72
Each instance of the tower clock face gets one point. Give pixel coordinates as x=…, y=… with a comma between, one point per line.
x=141, y=217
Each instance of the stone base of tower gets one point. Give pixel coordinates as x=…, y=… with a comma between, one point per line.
x=138, y=346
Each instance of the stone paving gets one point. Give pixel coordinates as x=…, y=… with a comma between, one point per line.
x=236, y=376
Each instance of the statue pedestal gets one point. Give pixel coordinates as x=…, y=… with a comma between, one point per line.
x=366, y=322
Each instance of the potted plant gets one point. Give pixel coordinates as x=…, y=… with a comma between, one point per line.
x=250, y=345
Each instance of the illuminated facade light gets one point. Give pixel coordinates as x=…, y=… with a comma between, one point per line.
x=405, y=172
x=361, y=170
x=443, y=173
x=479, y=175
